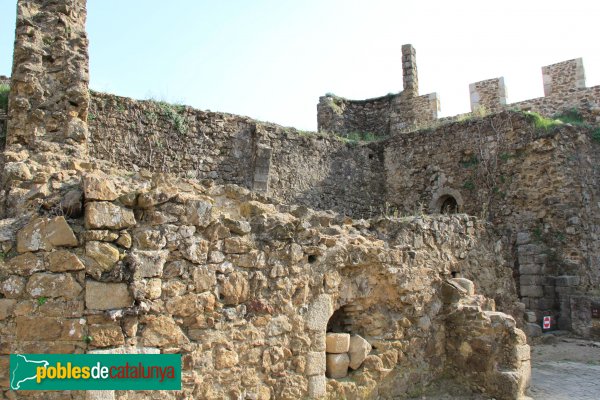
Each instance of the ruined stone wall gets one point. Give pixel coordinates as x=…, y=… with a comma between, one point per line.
x=296, y=167
x=535, y=186
x=343, y=116
x=245, y=290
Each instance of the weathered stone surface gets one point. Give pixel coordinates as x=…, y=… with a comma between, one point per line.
x=26, y=264
x=149, y=239
x=105, y=254
x=63, y=260
x=107, y=335
x=53, y=285
x=317, y=386
x=12, y=287
x=466, y=284
x=225, y=358
x=101, y=235
x=162, y=331
x=358, y=351
x=45, y=234
x=6, y=308
x=199, y=212
x=337, y=365
x=107, y=296
x=194, y=250
x=98, y=186
x=337, y=342
x=125, y=240
x=204, y=279
x=319, y=312
x=38, y=328
x=236, y=226
x=104, y=215
x=148, y=264
x=236, y=245
x=315, y=363
x=234, y=288
x=156, y=196
x=532, y=330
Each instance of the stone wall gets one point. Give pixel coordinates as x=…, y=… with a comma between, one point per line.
x=319, y=171
x=535, y=186
x=244, y=290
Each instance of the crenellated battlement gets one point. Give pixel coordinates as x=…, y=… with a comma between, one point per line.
x=564, y=89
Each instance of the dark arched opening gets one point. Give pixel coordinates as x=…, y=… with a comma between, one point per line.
x=449, y=205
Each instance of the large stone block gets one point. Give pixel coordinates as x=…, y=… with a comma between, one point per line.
x=317, y=386
x=532, y=330
x=8, y=305
x=319, y=312
x=567, y=280
x=63, y=260
x=337, y=342
x=104, y=215
x=98, y=186
x=337, y=365
x=53, y=285
x=315, y=363
x=45, y=234
x=532, y=291
x=358, y=351
x=107, y=296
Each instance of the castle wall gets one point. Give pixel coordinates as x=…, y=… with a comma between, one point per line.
x=295, y=167
x=536, y=187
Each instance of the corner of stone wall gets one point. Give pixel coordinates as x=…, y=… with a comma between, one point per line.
x=562, y=78
x=488, y=96
x=484, y=347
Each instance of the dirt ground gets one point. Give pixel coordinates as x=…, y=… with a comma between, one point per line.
x=563, y=368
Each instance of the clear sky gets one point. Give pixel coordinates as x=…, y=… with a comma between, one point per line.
x=272, y=59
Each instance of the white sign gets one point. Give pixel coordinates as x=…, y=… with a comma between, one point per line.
x=547, y=321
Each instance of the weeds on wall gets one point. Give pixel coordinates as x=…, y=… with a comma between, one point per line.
x=596, y=135
x=4, y=89
x=174, y=113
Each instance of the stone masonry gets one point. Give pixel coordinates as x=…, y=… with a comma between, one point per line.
x=104, y=258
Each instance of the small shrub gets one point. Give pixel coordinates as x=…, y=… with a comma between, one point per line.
x=542, y=123
x=4, y=89
x=87, y=339
x=573, y=117
x=173, y=113
x=506, y=156
x=469, y=185
x=42, y=300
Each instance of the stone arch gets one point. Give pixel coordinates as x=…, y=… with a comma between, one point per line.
x=446, y=201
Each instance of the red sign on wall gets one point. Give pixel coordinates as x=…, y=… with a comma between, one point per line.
x=547, y=322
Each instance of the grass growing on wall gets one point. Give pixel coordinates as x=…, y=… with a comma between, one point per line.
x=174, y=113
x=4, y=89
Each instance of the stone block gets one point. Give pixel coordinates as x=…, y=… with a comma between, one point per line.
x=62, y=260
x=105, y=254
x=148, y=263
x=317, y=386
x=530, y=316
x=53, y=285
x=97, y=186
x=532, y=291
x=6, y=308
x=466, y=284
x=567, y=280
x=565, y=290
x=315, y=363
x=45, y=234
x=337, y=365
x=107, y=296
x=319, y=312
x=523, y=238
x=104, y=215
x=532, y=330
x=358, y=351
x=531, y=280
x=337, y=342
x=530, y=269
x=522, y=352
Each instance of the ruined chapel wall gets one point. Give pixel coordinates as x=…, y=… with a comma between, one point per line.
x=295, y=167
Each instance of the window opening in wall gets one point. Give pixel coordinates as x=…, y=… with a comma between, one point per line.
x=345, y=350
x=449, y=205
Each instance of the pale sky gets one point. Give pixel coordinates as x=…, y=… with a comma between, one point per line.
x=272, y=59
